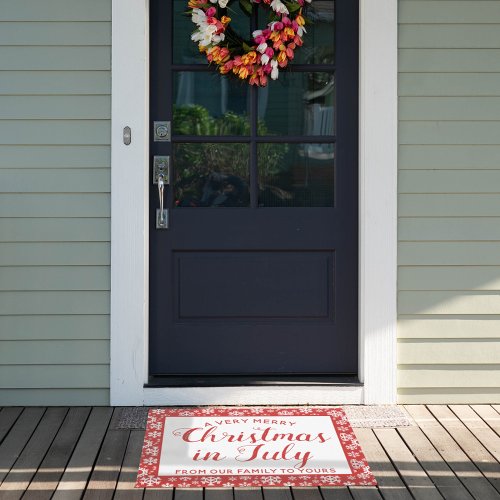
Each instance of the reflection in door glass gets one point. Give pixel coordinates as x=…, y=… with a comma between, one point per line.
x=299, y=104
x=206, y=104
x=304, y=177
x=211, y=175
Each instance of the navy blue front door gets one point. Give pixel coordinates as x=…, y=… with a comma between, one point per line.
x=256, y=275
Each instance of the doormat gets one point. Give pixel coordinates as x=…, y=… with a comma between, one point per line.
x=243, y=447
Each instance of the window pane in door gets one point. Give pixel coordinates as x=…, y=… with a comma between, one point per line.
x=207, y=104
x=298, y=104
x=296, y=175
x=211, y=175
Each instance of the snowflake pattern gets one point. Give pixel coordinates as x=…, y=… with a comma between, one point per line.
x=148, y=477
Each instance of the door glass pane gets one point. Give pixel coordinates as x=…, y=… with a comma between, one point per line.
x=208, y=104
x=184, y=50
x=211, y=175
x=298, y=104
x=296, y=175
x=319, y=41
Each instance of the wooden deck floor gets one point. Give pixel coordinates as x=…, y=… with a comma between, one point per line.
x=70, y=453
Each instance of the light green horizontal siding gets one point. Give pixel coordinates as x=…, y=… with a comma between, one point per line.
x=55, y=110
x=57, y=229
x=54, y=397
x=55, y=327
x=449, y=84
x=55, y=352
x=449, y=205
x=55, y=33
x=55, y=107
x=97, y=180
x=40, y=205
x=55, y=254
x=449, y=202
x=46, y=278
x=33, y=83
x=51, y=157
x=43, y=376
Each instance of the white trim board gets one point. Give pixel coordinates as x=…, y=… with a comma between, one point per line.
x=377, y=224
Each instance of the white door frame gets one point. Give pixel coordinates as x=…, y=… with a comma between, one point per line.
x=377, y=223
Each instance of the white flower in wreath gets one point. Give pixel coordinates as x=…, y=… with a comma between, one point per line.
x=279, y=7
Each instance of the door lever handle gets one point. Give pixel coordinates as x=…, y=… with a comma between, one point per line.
x=161, y=213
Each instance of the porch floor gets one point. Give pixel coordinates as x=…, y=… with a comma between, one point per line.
x=67, y=453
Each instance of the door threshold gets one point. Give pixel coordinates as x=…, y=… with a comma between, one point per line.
x=246, y=381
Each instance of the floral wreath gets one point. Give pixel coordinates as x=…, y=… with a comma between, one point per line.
x=253, y=61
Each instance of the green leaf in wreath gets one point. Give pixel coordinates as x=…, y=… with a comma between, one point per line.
x=246, y=7
x=292, y=7
x=247, y=47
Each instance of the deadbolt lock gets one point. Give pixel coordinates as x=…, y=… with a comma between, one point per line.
x=161, y=131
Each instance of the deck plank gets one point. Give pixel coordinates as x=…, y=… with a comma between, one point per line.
x=245, y=494
x=125, y=487
x=22, y=472
x=417, y=481
x=336, y=493
x=436, y=468
x=45, y=481
x=479, y=455
x=486, y=436
x=389, y=482
x=276, y=494
x=192, y=494
x=489, y=415
x=8, y=417
x=306, y=494
x=219, y=494
x=457, y=460
x=79, y=468
x=163, y=494
x=104, y=477
x=365, y=493
x=16, y=439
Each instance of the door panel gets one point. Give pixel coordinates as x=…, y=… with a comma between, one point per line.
x=256, y=275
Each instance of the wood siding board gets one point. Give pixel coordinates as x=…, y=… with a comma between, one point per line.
x=55, y=10
x=55, y=33
x=52, y=352
x=448, y=326
x=54, y=157
x=54, y=397
x=444, y=60
x=55, y=58
x=449, y=302
x=55, y=327
x=448, y=11
x=55, y=254
x=59, y=376
x=448, y=108
x=449, y=181
x=47, y=205
x=420, y=376
x=445, y=205
x=448, y=132
x=55, y=132
x=449, y=253
x=54, y=278
x=55, y=82
x=449, y=36
x=50, y=302
x=54, y=229
x=444, y=157
x=75, y=107
x=89, y=180
x=448, y=351
x=449, y=84
x=447, y=278
x=448, y=228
